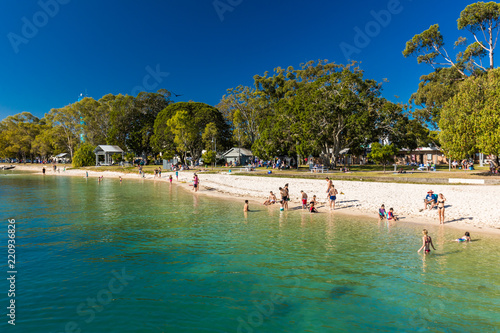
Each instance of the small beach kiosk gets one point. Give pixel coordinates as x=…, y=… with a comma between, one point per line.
x=107, y=152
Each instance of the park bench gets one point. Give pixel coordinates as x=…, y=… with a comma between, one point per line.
x=319, y=169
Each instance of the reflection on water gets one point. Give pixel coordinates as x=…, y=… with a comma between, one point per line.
x=199, y=264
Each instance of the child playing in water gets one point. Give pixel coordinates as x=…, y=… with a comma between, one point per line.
x=312, y=209
x=245, y=208
x=382, y=213
x=170, y=179
x=426, y=243
x=465, y=238
x=390, y=215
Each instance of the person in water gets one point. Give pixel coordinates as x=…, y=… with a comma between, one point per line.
x=440, y=204
x=196, y=181
x=464, y=238
x=312, y=209
x=382, y=213
x=170, y=179
x=426, y=242
x=245, y=208
x=120, y=179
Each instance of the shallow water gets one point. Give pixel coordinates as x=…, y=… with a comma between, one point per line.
x=191, y=263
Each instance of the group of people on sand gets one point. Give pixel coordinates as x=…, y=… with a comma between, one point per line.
x=311, y=206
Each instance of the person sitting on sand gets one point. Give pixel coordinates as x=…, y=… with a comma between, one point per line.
x=382, y=213
x=426, y=242
x=312, y=209
x=391, y=216
x=465, y=238
x=271, y=200
x=314, y=200
x=304, y=199
x=245, y=208
x=430, y=199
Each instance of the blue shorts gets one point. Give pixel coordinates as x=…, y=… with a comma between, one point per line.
x=333, y=198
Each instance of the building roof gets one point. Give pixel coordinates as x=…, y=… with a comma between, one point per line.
x=107, y=149
x=235, y=152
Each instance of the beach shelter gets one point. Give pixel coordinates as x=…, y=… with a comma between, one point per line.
x=107, y=152
x=238, y=155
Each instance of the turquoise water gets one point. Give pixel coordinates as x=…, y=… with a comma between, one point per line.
x=145, y=256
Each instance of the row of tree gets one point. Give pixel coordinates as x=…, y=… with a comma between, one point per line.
x=146, y=125
x=319, y=110
x=316, y=110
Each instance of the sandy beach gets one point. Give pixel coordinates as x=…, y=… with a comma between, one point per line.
x=471, y=207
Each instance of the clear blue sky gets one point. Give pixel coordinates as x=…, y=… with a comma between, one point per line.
x=105, y=46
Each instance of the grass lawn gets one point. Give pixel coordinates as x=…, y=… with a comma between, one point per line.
x=365, y=172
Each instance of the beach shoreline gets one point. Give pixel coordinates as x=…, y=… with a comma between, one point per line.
x=470, y=209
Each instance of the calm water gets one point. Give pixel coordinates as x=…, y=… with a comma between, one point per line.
x=150, y=257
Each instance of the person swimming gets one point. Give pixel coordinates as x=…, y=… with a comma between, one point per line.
x=465, y=238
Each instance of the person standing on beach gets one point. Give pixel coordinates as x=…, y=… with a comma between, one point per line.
x=159, y=172
x=43, y=171
x=426, y=243
x=176, y=175
x=440, y=203
x=304, y=199
x=332, y=197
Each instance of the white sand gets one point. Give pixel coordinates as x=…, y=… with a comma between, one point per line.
x=466, y=206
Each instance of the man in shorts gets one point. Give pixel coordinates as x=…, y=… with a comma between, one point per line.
x=304, y=199
x=430, y=200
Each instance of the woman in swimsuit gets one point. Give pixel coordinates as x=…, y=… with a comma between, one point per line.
x=426, y=243
x=440, y=202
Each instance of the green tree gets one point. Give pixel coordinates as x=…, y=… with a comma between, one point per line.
x=66, y=127
x=84, y=156
x=208, y=157
x=184, y=131
x=470, y=120
x=193, y=120
x=435, y=89
x=383, y=154
x=17, y=134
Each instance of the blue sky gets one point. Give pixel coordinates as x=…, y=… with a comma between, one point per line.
x=113, y=46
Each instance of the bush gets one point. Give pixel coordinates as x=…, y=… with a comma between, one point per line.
x=84, y=156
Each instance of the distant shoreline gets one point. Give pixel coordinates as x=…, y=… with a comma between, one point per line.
x=472, y=208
